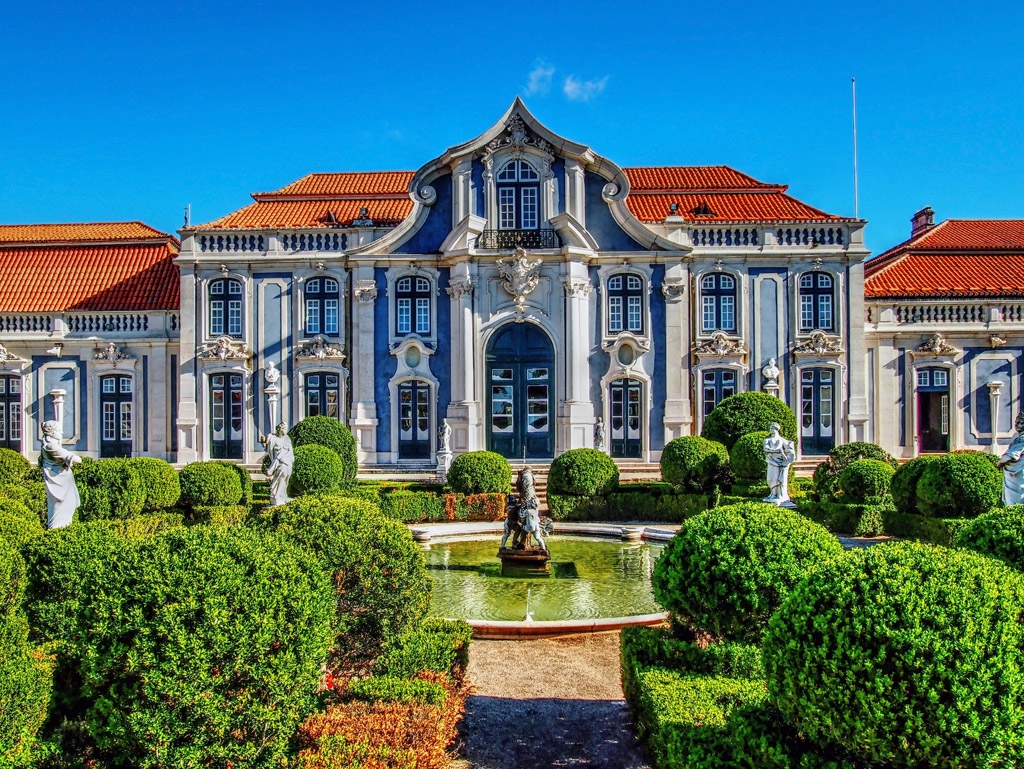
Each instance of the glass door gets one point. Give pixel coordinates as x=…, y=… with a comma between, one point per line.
x=520, y=395
x=932, y=410
x=413, y=420
x=116, y=410
x=10, y=413
x=227, y=407
x=626, y=419
x=817, y=409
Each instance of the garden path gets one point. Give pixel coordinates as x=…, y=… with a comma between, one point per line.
x=547, y=703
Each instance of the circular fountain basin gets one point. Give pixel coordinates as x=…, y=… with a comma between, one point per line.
x=598, y=579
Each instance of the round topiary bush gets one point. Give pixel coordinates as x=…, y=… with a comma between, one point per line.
x=959, y=485
x=207, y=484
x=583, y=473
x=748, y=412
x=998, y=534
x=728, y=569
x=826, y=475
x=32, y=494
x=317, y=469
x=160, y=480
x=866, y=481
x=244, y=479
x=13, y=466
x=378, y=570
x=109, y=488
x=904, y=483
x=480, y=472
x=907, y=655
x=747, y=457
x=227, y=631
x=696, y=464
x=331, y=433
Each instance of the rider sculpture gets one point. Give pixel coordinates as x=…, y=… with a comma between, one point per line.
x=522, y=515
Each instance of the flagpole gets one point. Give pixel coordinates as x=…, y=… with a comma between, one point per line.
x=856, y=195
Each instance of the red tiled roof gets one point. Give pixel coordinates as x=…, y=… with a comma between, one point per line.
x=342, y=184
x=729, y=195
x=86, y=267
x=955, y=258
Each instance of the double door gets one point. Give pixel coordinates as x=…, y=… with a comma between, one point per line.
x=817, y=411
x=626, y=419
x=414, y=420
x=116, y=414
x=520, y=393
x=10, y=413
x=227, y=413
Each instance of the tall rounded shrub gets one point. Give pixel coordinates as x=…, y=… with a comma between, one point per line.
x=959, y=485
x=728, y=569
x=208, y=484
x=480, y=472
x=747, y=457
x=866, y=481
x=13, y=466
x=696, y=464
x=331, y=433
x=998, y=534
x=583, y=473
x=905, y=654
x=826, y=475
x=904, y=483
x=160, y=480
x=317, y=469
x=109, y=488
x=748, y=412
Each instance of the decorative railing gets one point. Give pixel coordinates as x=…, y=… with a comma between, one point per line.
x=1013, y=313
x=319, y=241
x=15, y=324
x=809, y=236
x=231, y=243
x=173, y=321
x=502, y=239
x=939, y=313
x=725, y=237
x=96, y=324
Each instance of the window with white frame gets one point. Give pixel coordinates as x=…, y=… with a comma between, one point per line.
x=518, y=185
x=718, y=303
x=412, y=305
x=625, y=303
x=225, y=304
x=322, y=303
x=817, y=302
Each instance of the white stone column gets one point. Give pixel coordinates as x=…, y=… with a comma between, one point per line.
x=58, y=407
x=464, y=410
x=577, y=417
x=675, y=289
x=364, y=405
x=994, y=388
x=188, y=323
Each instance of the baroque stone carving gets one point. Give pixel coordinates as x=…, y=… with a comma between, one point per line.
x=319, y=349
x=936, y=345
x=459, y=289
x=225, y=348
x=519, y=276
x=720, y=344
x=111, y=353
x=996, y=341
x=517, y=137
x=673, y=289
x=9, y=357
x=819, y=344
x=577, y=287
x=770, y=372
x=366, y=291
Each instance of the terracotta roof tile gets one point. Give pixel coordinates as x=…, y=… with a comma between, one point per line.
x=52, y=273
x=973, y=234
x=358, y=183
x=679, y=178
x=311, y=213
x=727, y=207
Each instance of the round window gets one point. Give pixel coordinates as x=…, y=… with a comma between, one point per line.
x=626, y=355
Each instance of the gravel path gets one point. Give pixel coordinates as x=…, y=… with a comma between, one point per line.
x=547, y=702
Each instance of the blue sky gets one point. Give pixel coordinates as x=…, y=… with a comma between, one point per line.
x=120, y=111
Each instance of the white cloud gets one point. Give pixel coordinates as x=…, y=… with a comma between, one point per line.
x=540, y=79
x=583, y=90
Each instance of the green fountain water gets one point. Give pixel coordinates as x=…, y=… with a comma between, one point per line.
x=585, y=579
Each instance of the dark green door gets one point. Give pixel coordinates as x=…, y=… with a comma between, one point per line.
x=10, y=413
x=627, y=422
x=226, y=412
x=521, y=393
x=817, y=409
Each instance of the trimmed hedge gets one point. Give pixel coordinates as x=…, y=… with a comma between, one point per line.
x=325, y=431
x=26, y=685
x=696, y=464
x=998, y=534
x=437, y=645
x=726, y=571
x=661, y=648
x=935, y=531
x=927, y=639
x=18, y=528
x=866, y=481
x=205, y=484
x=244, y=479
x=317, y=470
x=32, y=494
x=12, y=578
x=220, y=515
x=143, y=526
x=904, y=483
x=630, y=502
x=109, y=488
x=745, y=413
x=959, y=485
x=858, y=520
x=583, y=473
x=13, y=466
x=160, y=481
x=395, y=689
x=827, y=474
x=747, y=457
x=480, y=472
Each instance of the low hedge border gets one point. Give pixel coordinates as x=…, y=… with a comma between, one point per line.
x=858, y=520
x=411, y=506
x=936, y=531
x=220, y=515
x=630, y=502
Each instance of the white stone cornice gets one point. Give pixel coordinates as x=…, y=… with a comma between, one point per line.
x=8, y=358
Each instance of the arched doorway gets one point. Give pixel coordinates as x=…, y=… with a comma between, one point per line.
x=521, y=392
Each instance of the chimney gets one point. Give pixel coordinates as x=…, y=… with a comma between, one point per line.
x=922, y=221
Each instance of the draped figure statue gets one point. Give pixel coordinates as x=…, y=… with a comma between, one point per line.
x=62, y=497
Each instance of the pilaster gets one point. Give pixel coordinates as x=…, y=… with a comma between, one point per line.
x=364, y=406
x=675, y=289
x=464, y=410
x=576, y=423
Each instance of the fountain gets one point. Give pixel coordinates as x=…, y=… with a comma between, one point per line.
x=523, y=524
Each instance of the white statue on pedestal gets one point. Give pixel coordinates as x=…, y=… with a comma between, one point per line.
x=62, y=497
x=599, y=435
x=282, y=457
x=1012, y=465
x=779, y=454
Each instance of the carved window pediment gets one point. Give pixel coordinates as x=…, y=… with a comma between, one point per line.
x=935, y=346
x=819, y=345
x=722, y=347
x=320, y=349
x=225, y=348
x=9, y=359
x=111, y=353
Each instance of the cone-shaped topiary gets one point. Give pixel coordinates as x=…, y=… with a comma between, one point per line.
x=748, y=412
x=696, y=464
x=583, y=473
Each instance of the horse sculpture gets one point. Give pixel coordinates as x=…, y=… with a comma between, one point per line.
x=522, y=515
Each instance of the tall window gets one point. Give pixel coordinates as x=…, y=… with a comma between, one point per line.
x=625, y=303
x=816, y=302
x=323, y=395
x=412, y=306
x=717, y=385
x=518, y=185
x=322, y=307
x=718, y=302
x=225, y=308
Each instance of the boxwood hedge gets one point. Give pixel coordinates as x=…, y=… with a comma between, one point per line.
x=325, y=431
x=13, y=466
x=480, y=472
x=317, y=469
x=827, y=474
x=209, y=483
x=866, y=481
x=999, y=534
x=747, y=457
x=32, y=494
x=745, y=413
x=904, y=483
x=109, y=488
x=160, y=481
x=963, y=484
x=583, y=473
x=696, y=464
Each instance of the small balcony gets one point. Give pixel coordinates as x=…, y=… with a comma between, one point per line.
x=496, y=240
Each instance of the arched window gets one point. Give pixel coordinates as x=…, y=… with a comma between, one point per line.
x=718, y=303
x=412, y=306
x=322, y=307
x=225, y=307
x=625, y=303
x=816, y=302
x=518, y=185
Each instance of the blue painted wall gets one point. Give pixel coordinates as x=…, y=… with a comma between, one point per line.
x=766, y=321
x=269, y=337
x=441, y=360
x=385, y=365
x=977, y=410
x=558, y=169
x=68, y=376
x=438, y=226
x=658, y=385
x=601, y=224
x=478, y=187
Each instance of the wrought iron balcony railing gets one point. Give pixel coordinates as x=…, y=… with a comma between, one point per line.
x=499, y=239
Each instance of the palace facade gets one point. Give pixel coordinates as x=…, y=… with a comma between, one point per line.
x=529, y=291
